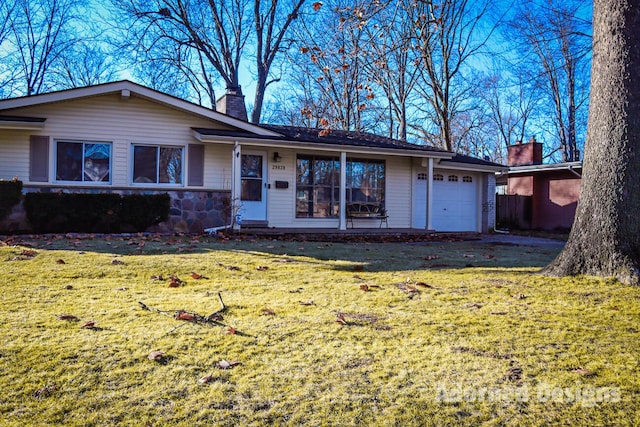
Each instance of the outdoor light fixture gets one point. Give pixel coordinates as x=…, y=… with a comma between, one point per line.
x=276, y=157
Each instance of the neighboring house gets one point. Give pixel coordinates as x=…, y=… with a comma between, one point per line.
x=538, y=196
x=123, y=137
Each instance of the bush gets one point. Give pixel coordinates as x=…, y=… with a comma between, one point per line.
x=94, y=213
x=10, y=194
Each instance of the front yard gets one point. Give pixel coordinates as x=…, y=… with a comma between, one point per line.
x=312, y=333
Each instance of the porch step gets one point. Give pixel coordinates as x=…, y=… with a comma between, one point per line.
x=252, y=223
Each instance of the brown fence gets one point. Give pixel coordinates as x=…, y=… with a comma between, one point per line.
x=513, y=212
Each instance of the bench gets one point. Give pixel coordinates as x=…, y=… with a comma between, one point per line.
x=366, y=211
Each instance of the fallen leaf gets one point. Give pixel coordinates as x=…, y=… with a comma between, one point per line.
x=310, y=302
x=28, y=252
x=223, y=364
x=424, y=285
x=231, y=331
x=68, y=287
x=431, y=257
x=44, y=391
x=88, y=325
x=197, y=276
x=364, y=287
x=262, y=268
x=358, y=268
x=183, y=315
x=67, y=317
x=582, y=371
x=233, y=268
x=340, y=319
x=520, y=296
x=60, y=261
x=206, y=379
x=268, y=311
x=157, y=277
x=117, y=262
x=156, y=355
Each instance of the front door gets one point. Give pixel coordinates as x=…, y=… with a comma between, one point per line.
x=253, y=186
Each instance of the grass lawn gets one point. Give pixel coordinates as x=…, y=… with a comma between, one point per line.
x=423, y=333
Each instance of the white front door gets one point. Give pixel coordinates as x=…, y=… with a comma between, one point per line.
x=253, y=193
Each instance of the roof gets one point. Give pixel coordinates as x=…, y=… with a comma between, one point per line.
x=126, y=88
x=545, y=167
x=314, y=138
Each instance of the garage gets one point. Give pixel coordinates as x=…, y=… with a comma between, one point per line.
x=455, y=201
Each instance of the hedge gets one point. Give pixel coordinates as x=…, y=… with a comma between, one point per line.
x=94, y=213
x=10, y=194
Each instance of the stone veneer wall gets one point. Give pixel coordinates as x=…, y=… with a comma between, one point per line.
x=190, y=211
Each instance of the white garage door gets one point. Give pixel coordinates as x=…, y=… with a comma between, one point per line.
x=455, y=201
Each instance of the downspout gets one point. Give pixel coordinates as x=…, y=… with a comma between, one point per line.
x=235, y=193
x=342, y=225
x=430, y=194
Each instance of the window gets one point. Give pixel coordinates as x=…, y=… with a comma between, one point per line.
x=438, y=177
x=78, y=161
x=453, y=178
x=467, y=179
x=365, y=181
x=157, y=165
x=422, y=176
x=251, y=178
x=317, y=187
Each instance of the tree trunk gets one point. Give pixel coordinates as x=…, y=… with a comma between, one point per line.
x=605, y=238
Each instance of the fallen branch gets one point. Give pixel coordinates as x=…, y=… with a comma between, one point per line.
x=188, y=316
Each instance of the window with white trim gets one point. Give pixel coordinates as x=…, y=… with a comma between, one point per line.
x=157, y=164
x=83, y=161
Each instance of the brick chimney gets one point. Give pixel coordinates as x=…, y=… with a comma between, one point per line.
x=521, y=154
x=232, y=103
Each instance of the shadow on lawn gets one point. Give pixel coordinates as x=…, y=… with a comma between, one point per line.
x=369, y=256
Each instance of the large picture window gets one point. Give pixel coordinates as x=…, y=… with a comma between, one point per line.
x=157, y=164
x=79, y=161
x=365, y=181
x=317, y=187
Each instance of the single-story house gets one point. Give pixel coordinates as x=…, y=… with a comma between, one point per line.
x=537, y=196
x=126, y=138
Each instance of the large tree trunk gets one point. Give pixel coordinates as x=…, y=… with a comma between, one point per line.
x=605, y=238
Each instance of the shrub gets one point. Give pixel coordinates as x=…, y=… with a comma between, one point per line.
x=94, y=213
x=10, y=194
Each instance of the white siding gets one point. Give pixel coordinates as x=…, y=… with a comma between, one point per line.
x=398, y=192
x=121, y=121
x=14, y=154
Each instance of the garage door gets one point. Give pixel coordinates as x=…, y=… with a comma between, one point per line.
x=455, y=201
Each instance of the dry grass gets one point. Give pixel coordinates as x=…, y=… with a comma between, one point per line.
x=437, y=329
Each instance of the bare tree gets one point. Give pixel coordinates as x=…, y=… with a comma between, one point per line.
x=40, y=32
x=271, y=27
x=84, y=64
x=555, y=45
x=207, y=41
x=391, y=64
x=332, y=50
x=447, y=35
x=605, y=238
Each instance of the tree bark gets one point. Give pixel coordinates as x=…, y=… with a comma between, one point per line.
x=605, y=238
